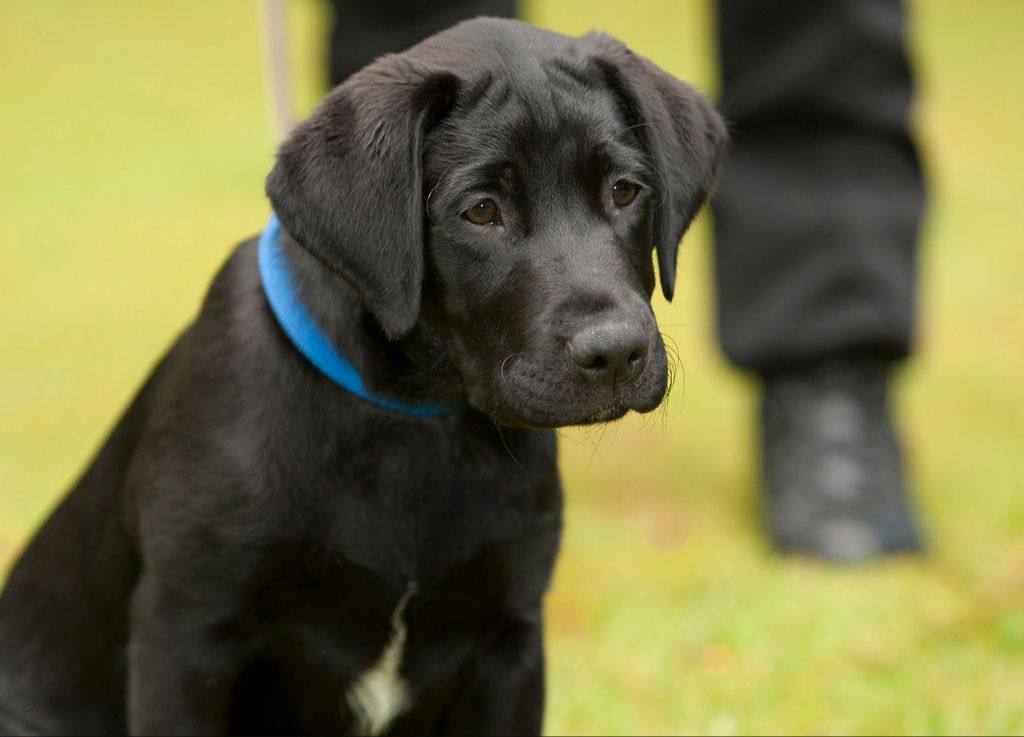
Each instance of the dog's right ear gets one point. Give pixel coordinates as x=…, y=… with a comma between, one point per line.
x=348, y=183
x=682, y=134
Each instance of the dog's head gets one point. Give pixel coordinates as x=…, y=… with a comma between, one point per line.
x=506, y=186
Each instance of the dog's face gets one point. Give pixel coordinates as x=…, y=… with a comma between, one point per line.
x=506, y=186
x=540, y=212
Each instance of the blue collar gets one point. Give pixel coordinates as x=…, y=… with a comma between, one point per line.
x=300, y=326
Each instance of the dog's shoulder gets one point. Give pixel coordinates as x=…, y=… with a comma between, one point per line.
x=244, y=431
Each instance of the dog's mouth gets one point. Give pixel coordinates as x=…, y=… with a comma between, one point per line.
x=605, y=414
x=530, y=397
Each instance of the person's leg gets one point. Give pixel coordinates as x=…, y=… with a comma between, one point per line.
x=816, y=223
x=361, y=31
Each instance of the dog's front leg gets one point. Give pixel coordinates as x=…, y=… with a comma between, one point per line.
x=504, y=692
x=180, y=670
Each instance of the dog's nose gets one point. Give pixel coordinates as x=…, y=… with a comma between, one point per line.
x=610, y=352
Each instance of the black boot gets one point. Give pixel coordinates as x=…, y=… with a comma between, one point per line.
x=833, y=472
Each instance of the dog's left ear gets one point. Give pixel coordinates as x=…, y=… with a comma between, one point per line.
x=348, y=183
x=683, y=136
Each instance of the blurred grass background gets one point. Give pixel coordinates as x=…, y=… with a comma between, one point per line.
x=133, y=146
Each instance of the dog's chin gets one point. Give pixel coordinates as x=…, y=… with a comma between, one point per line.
x=517, y=409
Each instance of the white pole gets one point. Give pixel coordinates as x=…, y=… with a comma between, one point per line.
x=276, y=77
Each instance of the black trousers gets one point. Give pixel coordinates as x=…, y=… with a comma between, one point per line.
x=821, y=195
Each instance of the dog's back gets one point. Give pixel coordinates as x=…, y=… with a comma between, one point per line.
x=64, y=610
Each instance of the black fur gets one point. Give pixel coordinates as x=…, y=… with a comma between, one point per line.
x=231, y=559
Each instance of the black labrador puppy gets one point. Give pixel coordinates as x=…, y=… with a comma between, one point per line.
x=334, y=507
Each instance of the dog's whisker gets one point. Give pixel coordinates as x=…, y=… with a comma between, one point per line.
x=602, y=429
x=433, y=189
x=675, y=370
x=562, y=435
x=641, y=124
x=501, y=436
x=501, y=370
x=703, y=324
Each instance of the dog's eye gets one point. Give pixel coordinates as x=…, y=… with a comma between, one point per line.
x=484, y=212
x=624, y=192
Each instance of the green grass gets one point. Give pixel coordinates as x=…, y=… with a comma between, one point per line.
x=133, y=144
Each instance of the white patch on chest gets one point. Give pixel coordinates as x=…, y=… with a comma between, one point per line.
x=380, y=693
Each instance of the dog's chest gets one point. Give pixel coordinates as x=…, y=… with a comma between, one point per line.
x=408, y=558
x=409, y=509
x=380, y=693
x=359, y=651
